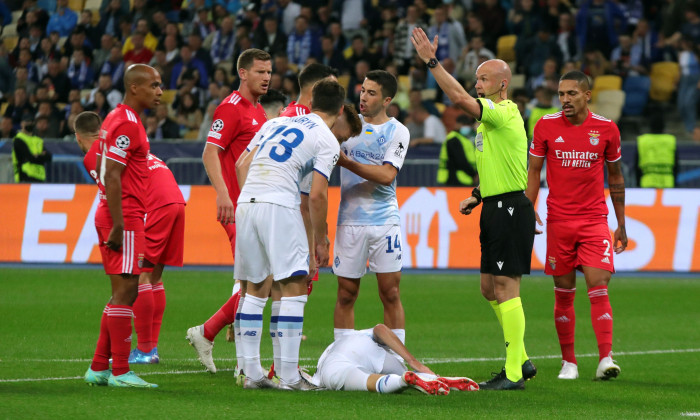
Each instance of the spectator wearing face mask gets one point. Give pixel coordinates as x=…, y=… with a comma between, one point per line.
x=457, y=167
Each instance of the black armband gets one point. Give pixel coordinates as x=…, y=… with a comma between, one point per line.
x=476, y=193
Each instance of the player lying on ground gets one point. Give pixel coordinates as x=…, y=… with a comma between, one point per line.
x=373, y=360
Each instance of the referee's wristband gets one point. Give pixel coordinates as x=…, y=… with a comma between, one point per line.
x=476, y=194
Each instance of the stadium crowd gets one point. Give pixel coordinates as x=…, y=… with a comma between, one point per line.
x=60, y=57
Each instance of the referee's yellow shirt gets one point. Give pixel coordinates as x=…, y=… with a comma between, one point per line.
x=501, y=148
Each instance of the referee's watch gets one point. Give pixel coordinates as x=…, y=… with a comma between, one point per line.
x=432, y=63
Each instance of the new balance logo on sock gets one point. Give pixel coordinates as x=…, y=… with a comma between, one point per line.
x=250, y=333
x=606, y=260
x=510, y=210
x=500, y=265
x=605, y=317
x=562, y=318
x=507, y=344
x=559, y=140
x=255, y=122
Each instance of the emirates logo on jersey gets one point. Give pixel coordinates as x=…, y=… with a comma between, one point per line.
x=123, y=142
x=217, y=126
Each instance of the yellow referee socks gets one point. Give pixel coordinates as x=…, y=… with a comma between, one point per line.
x=513, y=319
x=496, y=308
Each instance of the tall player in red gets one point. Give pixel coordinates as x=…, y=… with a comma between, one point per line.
x=123, y=171
x=235, y=122
x=577, y=145
x=165, y=236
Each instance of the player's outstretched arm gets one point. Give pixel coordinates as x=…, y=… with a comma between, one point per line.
x=616, y=184
x=381, y=174
x=318, y=209
x=533, y=184
x=454, y=90
x=113, y=190
x=224, y=205
x=384, y=335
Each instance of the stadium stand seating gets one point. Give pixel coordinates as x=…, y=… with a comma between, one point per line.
x=76, y=5
x=636, y=90
x=505, y=47
x=517, y=81
x=10, y=42
x=609, y=104
x=606, y=82
x=664, y=76
x=168, y=96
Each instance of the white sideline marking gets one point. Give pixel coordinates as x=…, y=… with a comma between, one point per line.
x=689, y=414
x=425, y=360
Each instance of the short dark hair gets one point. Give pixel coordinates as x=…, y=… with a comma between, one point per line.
x=327, y=96
x=273, y=96
x=312, y=73
x=247, y=57
x=353, y=119
x=578, y=76
x=386, y=80
x=87, y=122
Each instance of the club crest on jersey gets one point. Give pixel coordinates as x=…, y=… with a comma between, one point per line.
x=217, y=125
x=381, y=140
x=552, y=262
x=593, y=137
x=123, y=142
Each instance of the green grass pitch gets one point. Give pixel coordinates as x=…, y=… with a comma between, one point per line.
x=50, y=321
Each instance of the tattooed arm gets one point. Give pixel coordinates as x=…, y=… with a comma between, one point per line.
x=616, y=183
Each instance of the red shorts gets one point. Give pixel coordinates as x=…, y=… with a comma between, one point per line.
x=231, y=232
x=129, y=259
x=165, y=235
x=573, y=244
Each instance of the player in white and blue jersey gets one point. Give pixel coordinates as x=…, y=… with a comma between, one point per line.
x=368, y=217
x=271, y=235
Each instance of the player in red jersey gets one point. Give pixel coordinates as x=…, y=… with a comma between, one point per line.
x=123, y=171
x=235, y=122
x=577, y=144
x=165, y=236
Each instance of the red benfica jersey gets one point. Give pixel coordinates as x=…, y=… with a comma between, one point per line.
x=123, y=140
x=235, y=122
x=575, y=160
x=162, y=187
x=294, y=110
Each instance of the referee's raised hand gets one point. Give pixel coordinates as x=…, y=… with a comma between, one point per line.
x=424, y=48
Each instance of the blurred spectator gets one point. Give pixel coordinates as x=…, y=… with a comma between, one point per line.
x=269, y=37
x=224, y=92
x=162, y=66
x=104, y=85
x=25, y=62
x=476, y=28
x=188, y=114
x=566, y=37
x=290, y=86
x=53, y=117
x=151, y=125
x=538, y=50
x=524, y=20
x=31, y=14
x=384, y=44
x=355, y=16
x=111, y=14
x=354, y=88
x=689, y=82
x=598, y=24
x=451, y=39
x=188, y=62
x=339, y=40
x=101, y=54
x=188, y=83
x=549, y=69
x=5, y=14
x=201, y=23
x=7, y=130
x=594, y=63
x=167, y=128
x=29, y=157
x=626, y=58
x=552, y=11
x=21, y=79
x=78, y=41
x=114, y=66
x=457, y=167
x=41, y=128
x=138, y=11
x=395, y=111
x=543, y=106
x=329, y=56
x=58, y=81
x=159, y=24
x=302, y=43
x=99, y=105
x=36, y=34
x=646, y=39
x=403, y=48
x=223, y=42
x=472, y=57
x=433, y=129
x=148, y=41
x=19, y=107
x=287, y=11
x=91, y=32
x=360, y=52
x=171, y=29
x=493, y=16
x=45, y=53
x=521, y=99
x=139, y=54
x=415, y=99
x=63, y=20
x=221, y=77
x=243, y=41
x=79, y=72
x=172, y=51
x=657, y=155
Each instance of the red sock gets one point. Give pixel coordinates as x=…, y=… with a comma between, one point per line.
x=100, y=360
x=223, y=317
x=119, y=324
x=143, y=317
x=601, y=317
x=565, y=321
x=158, y=310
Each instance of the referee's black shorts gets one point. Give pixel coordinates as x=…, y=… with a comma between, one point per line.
x=507, y=234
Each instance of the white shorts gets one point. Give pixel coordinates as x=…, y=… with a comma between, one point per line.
x=270, y=239
x=354, y=245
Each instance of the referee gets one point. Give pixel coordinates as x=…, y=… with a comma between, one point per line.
x=508, y=218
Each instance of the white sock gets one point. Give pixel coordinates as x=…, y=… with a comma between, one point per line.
x=276, y=356
x=289, y=329
x=236, y=287
x=339, y=332
x=251, y=329
x=390, y=383
x=401, y=333
x=237, y=335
